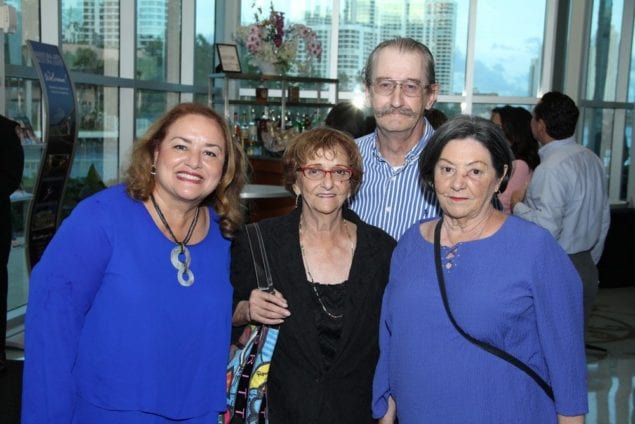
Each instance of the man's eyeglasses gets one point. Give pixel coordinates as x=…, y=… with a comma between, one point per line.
x=338, y=174
x=410, y=88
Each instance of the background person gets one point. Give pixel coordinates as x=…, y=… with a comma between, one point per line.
x=347, y=117
x=516, y=125
x=436, y=117
x=329, y=270
x=568, y=191
x=508, y=284
x=400, y=86
x=129, y=312
x=11, y=168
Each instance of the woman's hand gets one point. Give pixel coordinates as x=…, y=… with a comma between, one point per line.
x=579, y=419
x=267, y=308
x=391, y=413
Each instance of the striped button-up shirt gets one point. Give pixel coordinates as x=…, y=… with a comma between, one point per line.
x=392, y=198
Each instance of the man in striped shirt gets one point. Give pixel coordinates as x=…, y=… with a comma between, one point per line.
x=400, y=86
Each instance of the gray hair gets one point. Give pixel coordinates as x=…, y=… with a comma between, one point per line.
x=403, y=44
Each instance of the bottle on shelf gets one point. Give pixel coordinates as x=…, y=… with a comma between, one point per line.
x=244, y=132
x=264, y=126
x=288, y=121
x=299, y=122
x=236, y=136
x=307, y=122
x=253, y=126
x=317, y=120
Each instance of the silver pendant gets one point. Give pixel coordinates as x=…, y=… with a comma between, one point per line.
x=183, y=267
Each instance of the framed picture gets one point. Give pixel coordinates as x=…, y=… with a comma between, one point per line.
x=228, y=58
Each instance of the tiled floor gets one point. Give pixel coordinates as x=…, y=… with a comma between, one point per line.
x=611, y=373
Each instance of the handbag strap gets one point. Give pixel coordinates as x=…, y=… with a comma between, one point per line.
x=259, y=257
x=485, y=346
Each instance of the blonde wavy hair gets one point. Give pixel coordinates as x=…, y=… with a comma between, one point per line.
x=225, y=199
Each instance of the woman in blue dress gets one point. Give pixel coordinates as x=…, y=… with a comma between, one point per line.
x=129, y=312
x=508, y=284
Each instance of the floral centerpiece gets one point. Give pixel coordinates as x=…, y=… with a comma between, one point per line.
x=269, y=43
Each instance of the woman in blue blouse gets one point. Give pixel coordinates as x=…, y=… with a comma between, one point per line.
x=129, y=311
x=508, y=284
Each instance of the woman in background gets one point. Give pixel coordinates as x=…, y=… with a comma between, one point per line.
x=516, y=124
x=129, y=312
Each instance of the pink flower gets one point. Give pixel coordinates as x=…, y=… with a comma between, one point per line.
x=267, y=40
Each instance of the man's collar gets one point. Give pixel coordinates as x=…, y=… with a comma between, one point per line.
x=414, y=152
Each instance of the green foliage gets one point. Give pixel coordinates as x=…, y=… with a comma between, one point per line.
x=78, y=189
x=86, y=60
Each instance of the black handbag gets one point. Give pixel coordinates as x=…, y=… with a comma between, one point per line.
x=485, y=346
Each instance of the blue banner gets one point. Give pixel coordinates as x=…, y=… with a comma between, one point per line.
x=59, y=137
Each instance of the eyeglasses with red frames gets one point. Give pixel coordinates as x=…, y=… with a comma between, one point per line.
x=337, y=173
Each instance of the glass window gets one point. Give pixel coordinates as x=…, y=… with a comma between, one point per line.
x=597, y=131
x=631, y=79
x=449, y=109
x=149, y=106
x=90, y=36
x=508, y=49
x=604, y=50
x=204, y=42
x=24, y=100
x=28, y=28
x=442, y=26
x=159, y=40
x=627, y=155
x=96, y=160
x=439, y=24
x=604, y=116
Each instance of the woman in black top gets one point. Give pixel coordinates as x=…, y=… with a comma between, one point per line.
x=329, y=269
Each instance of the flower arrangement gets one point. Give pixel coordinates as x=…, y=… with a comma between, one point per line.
x=268, y=42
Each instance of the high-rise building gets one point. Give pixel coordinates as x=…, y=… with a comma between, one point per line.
x=363, y=26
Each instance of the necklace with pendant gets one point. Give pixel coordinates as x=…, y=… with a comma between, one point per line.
x=313, y=283
x=180, y=255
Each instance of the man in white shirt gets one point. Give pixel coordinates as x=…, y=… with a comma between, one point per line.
x=567, y=194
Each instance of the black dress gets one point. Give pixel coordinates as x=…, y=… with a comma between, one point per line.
x=322, y=370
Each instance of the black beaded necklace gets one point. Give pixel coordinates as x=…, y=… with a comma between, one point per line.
x=182, y=265
x=310, y=277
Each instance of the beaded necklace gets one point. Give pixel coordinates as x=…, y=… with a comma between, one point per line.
x=312, y=281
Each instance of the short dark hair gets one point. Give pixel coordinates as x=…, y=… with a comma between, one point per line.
x=436, y=117
x=403, y=44
x=559, y=113
x=459, y=128
x=347, y=117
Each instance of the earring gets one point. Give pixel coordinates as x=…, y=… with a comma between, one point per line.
x=153, y=170
x=298, y=199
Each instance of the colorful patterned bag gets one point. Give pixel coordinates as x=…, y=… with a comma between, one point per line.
x=248, y=368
